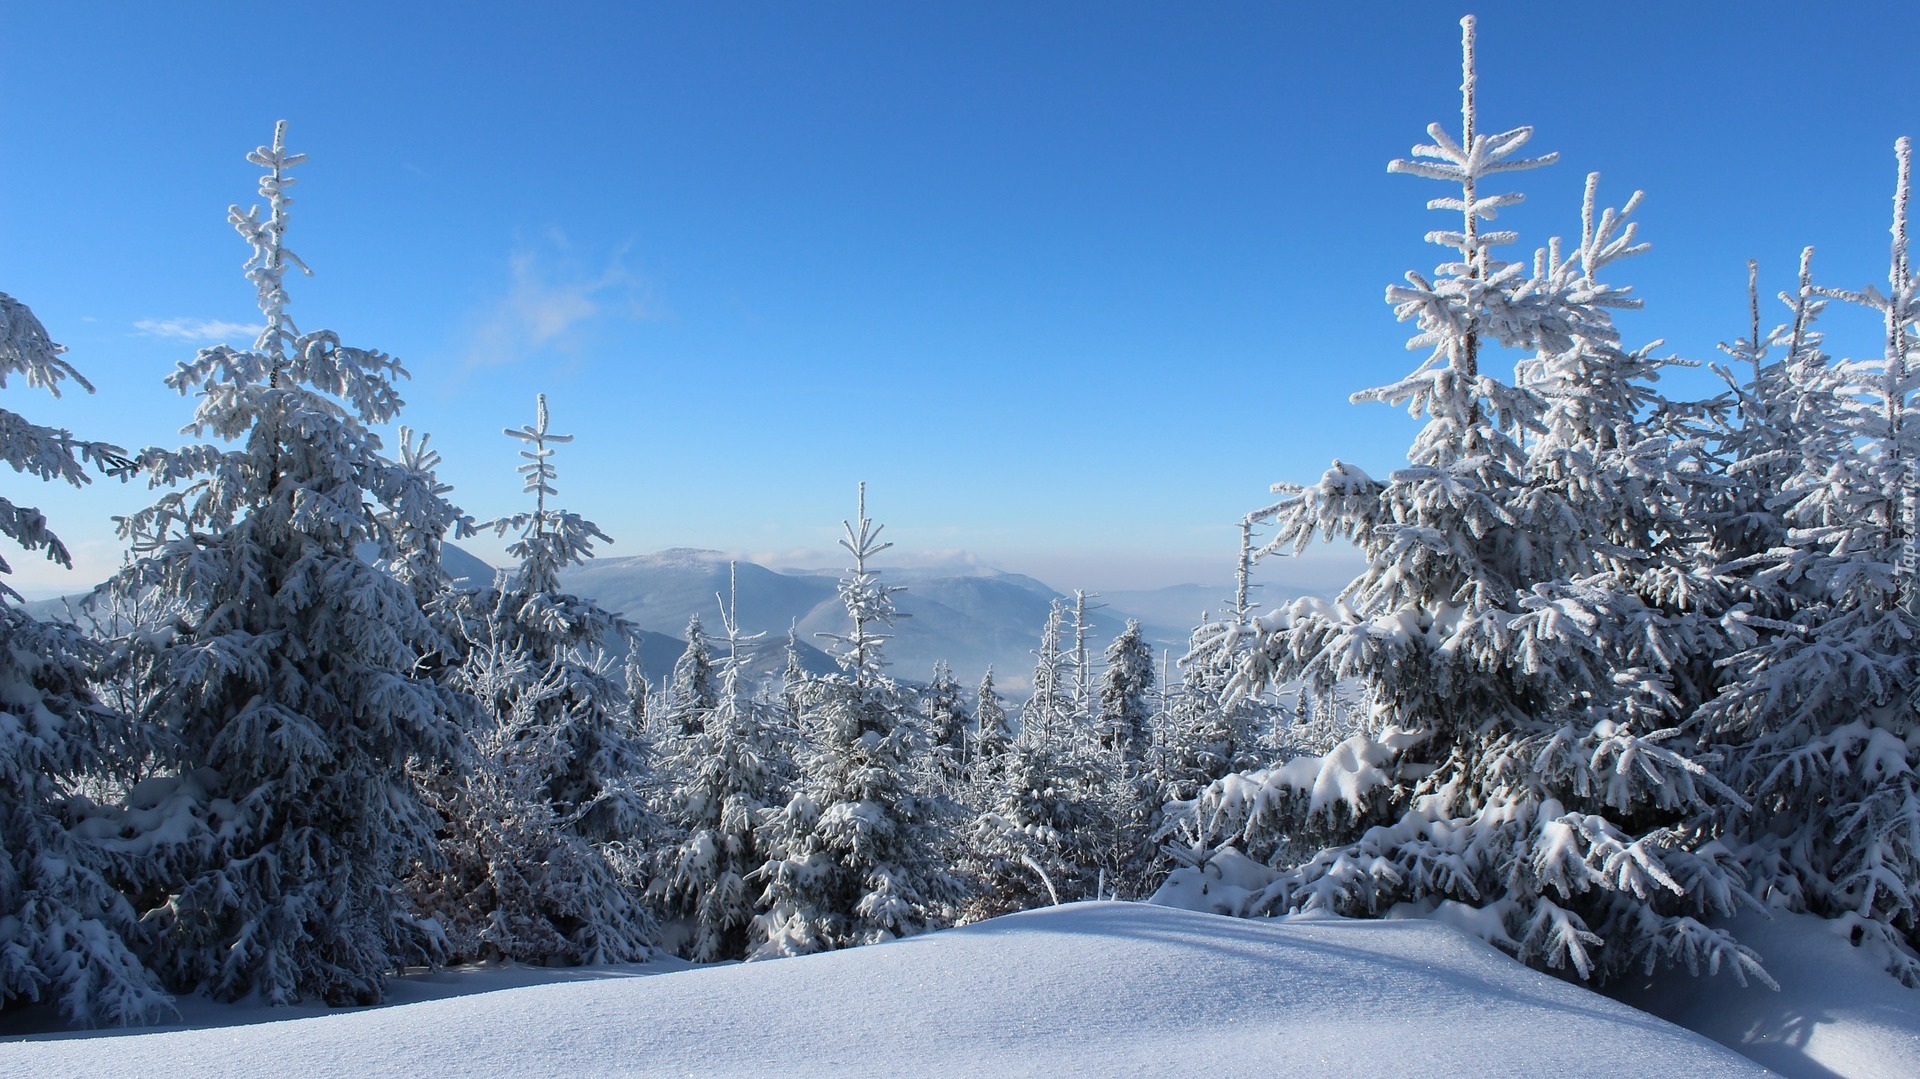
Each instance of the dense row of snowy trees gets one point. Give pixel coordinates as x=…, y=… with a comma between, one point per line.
x=1625, y=663
x=1618, y=665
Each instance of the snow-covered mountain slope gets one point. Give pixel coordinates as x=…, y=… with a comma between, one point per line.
x=660, y=591
x=1092, y=989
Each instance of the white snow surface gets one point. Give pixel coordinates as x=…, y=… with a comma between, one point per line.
x=1838, y=1012
x=1088, y=989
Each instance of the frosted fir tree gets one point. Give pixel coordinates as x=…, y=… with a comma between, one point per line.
x=543, y=815
x=1049, y=824
x=727, y=775
x=1057, y=813
x=418, y=557
x=1501, y=769
x=290, y=687
x=64, y=926
x=1125, y=730
x=1208, y=731
x=1196, y=736
x=633, y=675
x=1823, y=699
x=1761, y=428
x=993, y=724
x=1049, y=712
x=593, y=776
x=1615, y=488
x=855, y=850
x=693, y=693
x=1083, y=700
x=1779, y=428
x=1211, y=731
x=515, y=880
x=944, y=717
x=1125, y=714
x=794, y=676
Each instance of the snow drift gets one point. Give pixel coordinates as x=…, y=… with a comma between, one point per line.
x=1106, y=989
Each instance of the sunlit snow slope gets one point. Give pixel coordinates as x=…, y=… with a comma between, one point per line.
x=1094, y=989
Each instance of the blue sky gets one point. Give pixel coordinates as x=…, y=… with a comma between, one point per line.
x=1068, y=285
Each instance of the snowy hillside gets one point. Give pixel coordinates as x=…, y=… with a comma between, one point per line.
x=1096, y=989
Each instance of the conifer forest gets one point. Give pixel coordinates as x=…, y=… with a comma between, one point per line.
x=1622, y=670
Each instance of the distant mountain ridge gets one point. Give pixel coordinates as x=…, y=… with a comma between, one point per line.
x=969, y=615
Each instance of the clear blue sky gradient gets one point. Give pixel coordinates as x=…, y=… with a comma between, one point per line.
x=1068, y=285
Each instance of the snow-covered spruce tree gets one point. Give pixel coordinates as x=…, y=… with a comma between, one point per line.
x=514, y=880
x=633, y=676
x=728, y=775
x=289, y=687
x=692, y=692
x=1502, y=768
x=794, y=678
x=1755, y=429
x=1824, y=699
x=542, y=820
x=1125, y=730
x=1779, y=428
x=1055, y=813
x=1049, y=712
x=64, y=926
x=1125, y=714
x=592, y=781
x=1050, y=818
x=1207, y=733
x=1213, y=732
x=1613, y=490
x=993, y=725
x=855, y=850
x=1084, y=704
x=944, y=718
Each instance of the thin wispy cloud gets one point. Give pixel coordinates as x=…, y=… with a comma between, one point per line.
x=198, y=330
x=553, y=301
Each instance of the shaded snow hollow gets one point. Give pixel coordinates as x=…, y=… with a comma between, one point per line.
x=1088, y=989
x=1838, y=1011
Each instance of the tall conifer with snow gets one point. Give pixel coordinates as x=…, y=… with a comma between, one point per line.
x=1125, y=715
x=1084, y=705
x=994, y=725
x=728, y=774
x=1207, y=733
x=289, y=685
x=855, y=850
x=1049, y=818
x=1055, y=811
x=944, y=718
x=1503, y=767
x=692, y=692
x=1823, y=704
x=1125, y=730
x=568, y=636
x=1050, y=712
x=64, y=927
x=543, y=816
x=1758, y=428
x=515, y=880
